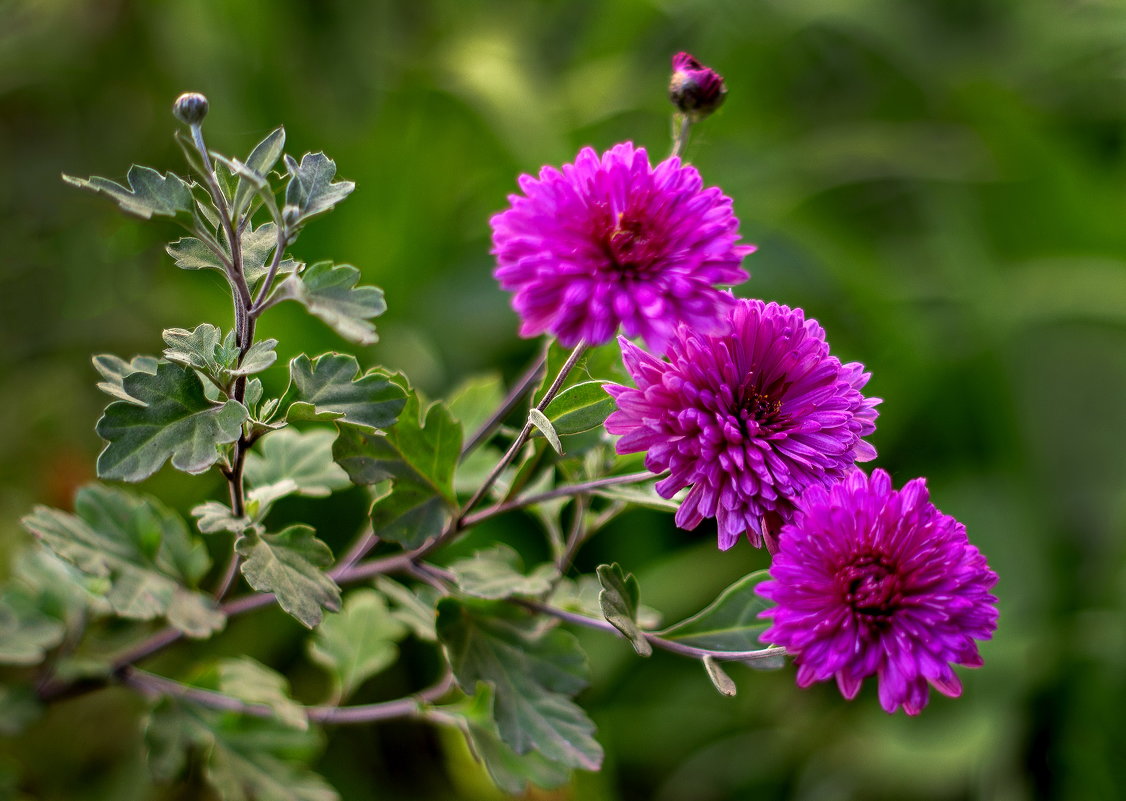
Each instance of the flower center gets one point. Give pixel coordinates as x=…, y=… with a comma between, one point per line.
x=871, y=587
x=630, y=245
x=756, y=403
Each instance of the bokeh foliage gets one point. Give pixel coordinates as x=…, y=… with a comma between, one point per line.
x=942, y=183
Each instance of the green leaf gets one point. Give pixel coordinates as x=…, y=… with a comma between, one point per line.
x=311, y=188
x=198, y=348
x=288, y=564
x=177, y=422
x=511, y=772
x=213, y=517
x=114, y=370
x=719, y=677
x=26, y=633
x=497, y=572
x=261, y=160
x=149, y=192
x=579, y=408
x=243, y=758
x=358, y=642
x=258, y=246
x=329, y=291
x=601, y=362
x=643, y=495
x=19, y=708
x=475, y=401
x=142, y=548
x=250, y=681
x=328, y=388
x=540, y=421
x=303, y=457
x=420, y=459
x=729, y=623
x=618, y=601
x=415, y=608
x=534, y=673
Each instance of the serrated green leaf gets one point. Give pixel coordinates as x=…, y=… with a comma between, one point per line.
x=579, y=408
x=289, y=564
x=511, y=772
x=419, y=459
x=26, y=633
x=114, y=370
x=618, y=602
x=304, y=457
x=250, y=681
x=497, y=572
x=543, y=425
x=358, y=642
x=534, y=673
x=720, y=680
x=258, y=357
x=729, y=623
x=415, y=609
x=197, y=348
x=328, y=291
x=143, y=550
x=261, y=160
x=243, y=758
x=258, y=246
x=213, y=517
x=149, y=193
x=328, y=388
x=311, y=188
x=177, y=422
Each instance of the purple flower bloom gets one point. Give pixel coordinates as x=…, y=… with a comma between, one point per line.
x=750, y=417
x=695, y=89
x=612, y=241
x=870, y=580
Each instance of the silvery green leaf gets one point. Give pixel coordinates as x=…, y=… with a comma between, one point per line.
x=114, y=369
x=328, y=291
x=149, y=193
x=311, y=187
x=497, y=572
x=304, y=457
x=177, y=423
x=258, y=246
x=196, y=348
x=260, y=161
x=213, y=517
x=289, y=564
x=618, y=601
x=258, y=357
x=250, y=681
x=358, y=642
x=730, y=623
x=540, y=421
x=330, y=388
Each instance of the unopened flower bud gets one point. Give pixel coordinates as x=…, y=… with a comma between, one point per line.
x=695, y=89
x=190, y=108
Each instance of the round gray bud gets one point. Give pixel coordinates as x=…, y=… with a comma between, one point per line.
x=190, y=108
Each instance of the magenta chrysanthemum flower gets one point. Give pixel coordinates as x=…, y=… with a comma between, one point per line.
x=612, y=240
x=870, y=580
x=749, y=417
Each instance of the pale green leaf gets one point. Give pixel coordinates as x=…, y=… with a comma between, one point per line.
x=177, y=422
x=720, y=680
x=534, y=673
x=250, y=681
x=305, y=457
x=260, y=161
x=258, y=245
x=730, y=623
x=149, y=193
x=289, y=564
x=26, y=633
x=358, y=642
x=415, y=608
x=213, y=516
x=540, y=421
x=618, y=601
x=497, y=572
x=114, y=370
x=475, y=401
x=329, y=292
x=311, y=187
x=330, y=388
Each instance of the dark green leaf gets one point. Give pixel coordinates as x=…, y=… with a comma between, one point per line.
x=534, y=673
x=357, y=643
x=261, y=160
x=730, y=622
x=114, y=370
x=244, y=758
x=329, y=292
x=149, y=192
x=177, y=422
x=288, y=564
x=579, y=408
x=303, y=457
x=143, y=549
x=328, y=388
x=510, y=771
x=420, y=459
x=719, y=677
x=19, y=707
x=497, y=572
x=618, y=601
x=250, y=681
x=311, y=188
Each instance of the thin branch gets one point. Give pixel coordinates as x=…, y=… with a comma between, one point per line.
x=559, y=492
x=364, y=543
x=230, y=574
x=654, y=640
x=519, y=390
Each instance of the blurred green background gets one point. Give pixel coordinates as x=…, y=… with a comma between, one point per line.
x=942, y=183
